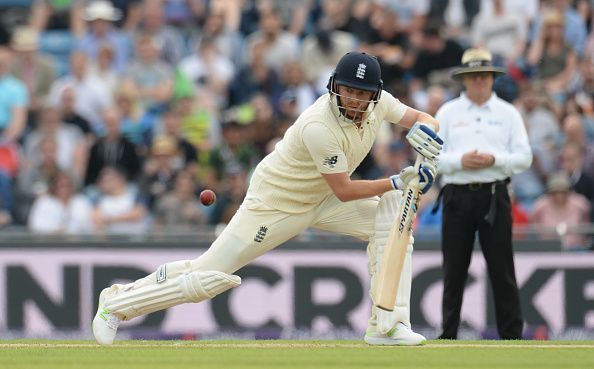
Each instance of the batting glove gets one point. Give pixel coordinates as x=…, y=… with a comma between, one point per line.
x=425, y=141
x=424, y=178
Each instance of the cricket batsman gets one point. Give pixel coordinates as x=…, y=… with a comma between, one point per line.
x=305, y=182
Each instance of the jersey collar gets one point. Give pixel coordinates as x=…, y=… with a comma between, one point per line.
x=471, y=104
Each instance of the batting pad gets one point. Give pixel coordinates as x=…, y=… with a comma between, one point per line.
x=384, y=220
x=191, y=287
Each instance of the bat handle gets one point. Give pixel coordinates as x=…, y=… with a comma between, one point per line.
x=418, y=162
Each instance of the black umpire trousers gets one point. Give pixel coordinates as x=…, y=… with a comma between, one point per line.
x=464, y=211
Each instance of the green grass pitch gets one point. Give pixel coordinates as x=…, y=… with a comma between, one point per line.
x=48, y=354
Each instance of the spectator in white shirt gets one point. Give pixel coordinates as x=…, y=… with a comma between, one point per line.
x=501, y=32
x=118, y=209
x=61, y=210
x=92, y=94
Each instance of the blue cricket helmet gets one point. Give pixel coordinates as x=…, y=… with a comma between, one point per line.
x=357, y=70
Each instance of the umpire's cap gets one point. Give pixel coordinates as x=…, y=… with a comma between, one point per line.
x=477, y=61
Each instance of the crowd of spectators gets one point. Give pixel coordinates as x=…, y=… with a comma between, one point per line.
x=115, y=114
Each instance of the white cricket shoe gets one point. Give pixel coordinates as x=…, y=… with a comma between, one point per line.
x=400, y=335
x=105, y=324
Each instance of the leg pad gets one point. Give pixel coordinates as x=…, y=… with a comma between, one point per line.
x=191, y=287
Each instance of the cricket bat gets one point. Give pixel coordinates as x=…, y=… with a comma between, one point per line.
x=395, y=250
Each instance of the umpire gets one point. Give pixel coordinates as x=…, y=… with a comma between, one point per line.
x=485, y=143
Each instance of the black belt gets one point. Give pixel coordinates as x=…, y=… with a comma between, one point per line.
x=476, y=186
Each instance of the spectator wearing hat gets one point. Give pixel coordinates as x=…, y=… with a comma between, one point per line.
x=563, y=210
x=100, y=16
x=485, y=143
x=35, y=70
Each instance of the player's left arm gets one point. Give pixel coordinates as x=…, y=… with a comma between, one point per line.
x=422, y=127
x=392, y=110
x=412, y=116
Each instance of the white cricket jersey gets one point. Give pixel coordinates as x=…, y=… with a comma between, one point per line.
x=496, y=127
x=289, y=179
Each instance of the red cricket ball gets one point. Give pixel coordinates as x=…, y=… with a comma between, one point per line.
x=207, y=197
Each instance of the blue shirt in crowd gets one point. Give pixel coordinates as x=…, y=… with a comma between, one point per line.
x=13, y=93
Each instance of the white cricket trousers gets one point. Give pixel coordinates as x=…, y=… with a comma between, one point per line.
x=257, y=228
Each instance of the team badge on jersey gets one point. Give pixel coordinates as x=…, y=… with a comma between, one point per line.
x=261, y=234
x=331, y=161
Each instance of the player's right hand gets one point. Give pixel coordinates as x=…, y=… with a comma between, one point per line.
x=423, y=178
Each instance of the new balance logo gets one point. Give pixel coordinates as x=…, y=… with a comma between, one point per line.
x=361, y=71
x=161, y=273
x=331, y=161
x=261, y=234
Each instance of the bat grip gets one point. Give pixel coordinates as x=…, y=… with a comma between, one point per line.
x=418, y=162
